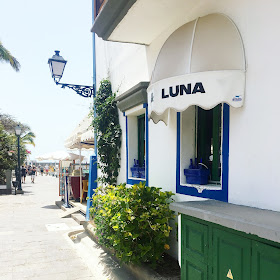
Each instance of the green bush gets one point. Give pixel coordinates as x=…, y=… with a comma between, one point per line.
x=134, y=221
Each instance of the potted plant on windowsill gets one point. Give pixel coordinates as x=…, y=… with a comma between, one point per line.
x=197, y=173
x=137, y=171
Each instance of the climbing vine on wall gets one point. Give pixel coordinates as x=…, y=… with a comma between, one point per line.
x=109, y=133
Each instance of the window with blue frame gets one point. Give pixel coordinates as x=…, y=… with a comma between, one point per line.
x=202, y=152
x=136, y=135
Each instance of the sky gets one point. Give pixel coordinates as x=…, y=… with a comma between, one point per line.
x=31, y=30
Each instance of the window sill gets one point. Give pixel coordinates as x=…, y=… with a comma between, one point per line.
x=133, y=180
x=136, y=178
x=201, y=188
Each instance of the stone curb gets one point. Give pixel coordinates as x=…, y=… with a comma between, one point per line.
x=140, y=272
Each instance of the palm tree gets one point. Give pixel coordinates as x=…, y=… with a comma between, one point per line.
x=28, y=139
x=6, y=56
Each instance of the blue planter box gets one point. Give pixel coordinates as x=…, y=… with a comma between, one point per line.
x=138, y=172
x=135, y=172
x=197, y=176
x=142, y=172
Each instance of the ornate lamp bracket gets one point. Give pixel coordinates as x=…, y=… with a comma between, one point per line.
x=84, y=91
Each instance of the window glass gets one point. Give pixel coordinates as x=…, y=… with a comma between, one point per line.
x=141, y=140
x=208, y=140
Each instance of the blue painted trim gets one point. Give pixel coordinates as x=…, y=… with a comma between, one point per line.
x=145, y=105
x=92, y=183
x=225, y=151
x=126, y=146
x=124, y=114
x=221, y=195
x=178, y=148
x=136, y=181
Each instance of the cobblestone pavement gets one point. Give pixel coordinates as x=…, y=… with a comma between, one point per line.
x=32, y=236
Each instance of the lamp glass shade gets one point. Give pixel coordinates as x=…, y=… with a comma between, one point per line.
x=57, y=68
x=18, y=130
x=57, y=65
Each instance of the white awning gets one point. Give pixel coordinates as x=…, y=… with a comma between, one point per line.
x=47, y=156
x=82, y=136
x=59, y=155
x=202, y=63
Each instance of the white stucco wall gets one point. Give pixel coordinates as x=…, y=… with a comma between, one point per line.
x=124, y=64
x=254, y=138
x=254, y=148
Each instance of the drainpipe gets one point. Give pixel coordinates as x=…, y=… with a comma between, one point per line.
x=94, y=77
x=92, y=183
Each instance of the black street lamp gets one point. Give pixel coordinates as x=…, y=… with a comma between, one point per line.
x=57, y=65
x=18, y=132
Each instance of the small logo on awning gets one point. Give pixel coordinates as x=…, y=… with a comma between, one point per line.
x=152, y=97
x=237, y=98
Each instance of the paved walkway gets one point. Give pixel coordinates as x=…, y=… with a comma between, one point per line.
x=32, y=236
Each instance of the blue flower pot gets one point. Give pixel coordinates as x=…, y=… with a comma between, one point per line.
x=197, y=176
x=142, y=172
x=135, y=172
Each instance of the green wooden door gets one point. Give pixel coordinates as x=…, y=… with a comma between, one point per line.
x=231, y=256
x=265, y=262
x=194, y=250
x=194, y=271
x=211, y=252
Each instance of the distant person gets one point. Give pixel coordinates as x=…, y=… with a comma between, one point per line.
x=42, y=170
x=29, y=170
x=33, y=172
x=23, y=174
x=47, y=170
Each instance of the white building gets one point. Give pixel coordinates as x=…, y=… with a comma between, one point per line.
x=198, y=79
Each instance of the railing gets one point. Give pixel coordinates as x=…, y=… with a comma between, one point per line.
x=98, y=4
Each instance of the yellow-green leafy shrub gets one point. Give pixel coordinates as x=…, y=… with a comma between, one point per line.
x=134, y=221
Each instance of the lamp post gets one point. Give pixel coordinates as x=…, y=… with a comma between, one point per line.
x=18, y=132
x=57, y=64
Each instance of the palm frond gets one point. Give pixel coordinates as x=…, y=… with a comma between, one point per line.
x=28, y=138
x=6, y=56
x=30, y=134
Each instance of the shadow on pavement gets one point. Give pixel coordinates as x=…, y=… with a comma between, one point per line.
x=50, y=207
x=108, y=264
x=27, y=192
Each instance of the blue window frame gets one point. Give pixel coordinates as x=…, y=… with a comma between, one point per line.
x=205, y=192
x=129, y=179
